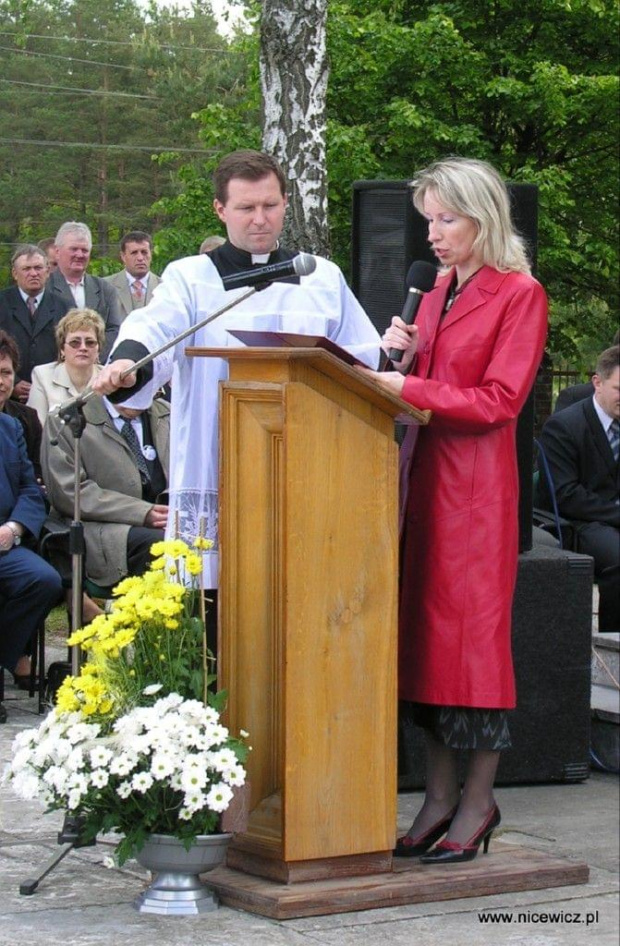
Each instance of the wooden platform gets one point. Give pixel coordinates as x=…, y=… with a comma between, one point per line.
x=506, y=868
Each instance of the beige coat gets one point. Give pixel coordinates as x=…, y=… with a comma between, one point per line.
x=51, y=386
x=111, y=489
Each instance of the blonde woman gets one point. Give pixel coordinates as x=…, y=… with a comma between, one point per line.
x=80, y=336
x=470, y=358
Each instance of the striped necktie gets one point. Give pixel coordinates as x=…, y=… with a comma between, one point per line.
x=129, y=434
x=614, y=438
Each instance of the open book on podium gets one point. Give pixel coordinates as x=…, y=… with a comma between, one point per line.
x=296, y=340
x=299, y=340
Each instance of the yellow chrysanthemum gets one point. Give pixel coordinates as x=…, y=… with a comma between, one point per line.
x=193, y=564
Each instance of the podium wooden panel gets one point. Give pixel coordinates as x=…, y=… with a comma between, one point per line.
x=308, y=603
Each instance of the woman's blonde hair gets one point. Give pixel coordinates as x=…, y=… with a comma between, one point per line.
x=475, y=190
x=77, y=320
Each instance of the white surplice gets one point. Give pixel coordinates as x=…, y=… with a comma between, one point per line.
x=191, y=289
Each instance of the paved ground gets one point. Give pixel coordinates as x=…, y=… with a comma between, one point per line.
x=83, y=903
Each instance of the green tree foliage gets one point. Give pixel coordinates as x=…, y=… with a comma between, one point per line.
x=531, y=87
x=91, y=90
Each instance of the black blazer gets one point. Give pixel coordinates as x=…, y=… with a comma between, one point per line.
x=36, y=337
x=100, y=296
x=585, y=476
x=31, y=426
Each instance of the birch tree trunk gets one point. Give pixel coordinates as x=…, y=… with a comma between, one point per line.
x=294, y=72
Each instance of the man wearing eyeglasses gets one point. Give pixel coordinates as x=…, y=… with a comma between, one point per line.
x=30, y=312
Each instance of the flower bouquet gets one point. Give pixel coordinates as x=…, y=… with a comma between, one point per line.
x=135, y=743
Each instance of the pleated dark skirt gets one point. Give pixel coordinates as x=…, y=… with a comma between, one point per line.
x=464, y=727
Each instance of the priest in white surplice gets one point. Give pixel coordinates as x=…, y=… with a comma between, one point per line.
x=250, y=199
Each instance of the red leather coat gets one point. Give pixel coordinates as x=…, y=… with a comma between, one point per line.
x=474, y=370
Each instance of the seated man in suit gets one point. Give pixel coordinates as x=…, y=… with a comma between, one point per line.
x=29, y=587
x=124, y=471
x=30, y=312
x=135, y=283
x=581, y=443
x=77, y=288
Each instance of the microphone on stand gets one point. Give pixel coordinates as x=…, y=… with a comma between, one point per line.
x=72, y=404
x=420, y=278
x=301, y=265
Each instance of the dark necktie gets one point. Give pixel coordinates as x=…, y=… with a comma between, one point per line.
x=31, y=302
x=614, y=438
x=129, y=434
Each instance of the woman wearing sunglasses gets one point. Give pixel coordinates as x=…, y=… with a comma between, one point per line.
x=80, y=336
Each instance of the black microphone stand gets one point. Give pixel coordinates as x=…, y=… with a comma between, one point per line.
x=71, y=413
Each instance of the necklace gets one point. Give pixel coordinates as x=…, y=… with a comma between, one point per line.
x=456, y=291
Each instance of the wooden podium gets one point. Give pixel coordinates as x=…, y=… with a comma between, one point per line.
x=308, y=608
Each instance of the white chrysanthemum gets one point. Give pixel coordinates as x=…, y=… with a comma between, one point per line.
x=185, y=814
x=26, y=785
x=78, y=782
x=219, y=734
x=193, y=777
x=60, y=750
x=56, y=777
x=73, y=799
x=169, y=702
x=235, y=775
x=175, y=782
x=127, y=726
x=218, y=798
x=222, y=759
x=82, y=731
x=75, y=760
x=162, y=765
x=27, y=737
x=194, y=801
x=152, y=689
x=142, y=781
x=99, y=778
x=21, y=759
x=124, y=790
x=100, y=756
x=122, y=764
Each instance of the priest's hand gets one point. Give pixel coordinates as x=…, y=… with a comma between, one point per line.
x=109, y=378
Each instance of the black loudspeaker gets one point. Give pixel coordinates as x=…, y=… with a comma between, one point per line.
x=388, y=235
x=552, y=639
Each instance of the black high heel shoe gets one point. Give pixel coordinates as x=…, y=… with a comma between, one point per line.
x=413, y=847
x=451, y=852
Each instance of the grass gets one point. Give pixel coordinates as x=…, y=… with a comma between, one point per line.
x=57, y=624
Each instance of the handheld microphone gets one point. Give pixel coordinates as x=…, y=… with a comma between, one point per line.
x=420, y=278
x=301, y=265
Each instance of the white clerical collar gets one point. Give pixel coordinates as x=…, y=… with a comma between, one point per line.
x=261, y=258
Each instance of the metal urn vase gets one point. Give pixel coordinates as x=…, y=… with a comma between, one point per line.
x=177, y=889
